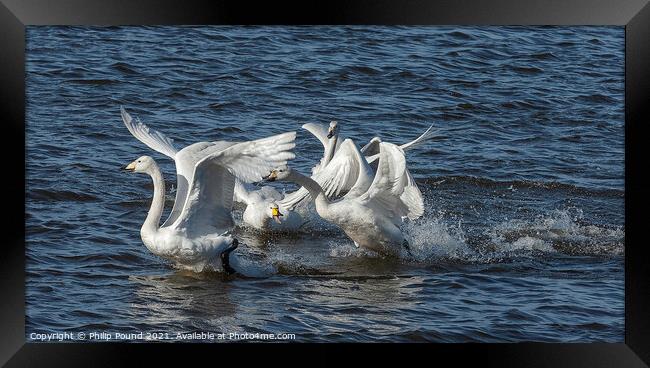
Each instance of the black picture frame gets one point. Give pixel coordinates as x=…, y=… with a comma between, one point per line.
x=633, y=14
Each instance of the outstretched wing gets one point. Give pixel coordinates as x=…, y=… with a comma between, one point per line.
x=186, y=159
x=319, y=131
x=152, y=138
x=347, y=172
x=241, y=193
x=208, y=205
x=372, y=148
x=251, y=161
x=388, y=185
x=428, y=134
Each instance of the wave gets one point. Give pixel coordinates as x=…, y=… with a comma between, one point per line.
x=60, y=195
x=597, y=98
x=94, y=81
x=461, y=35
x=526, y=70
x=521, y=184
x=543, y=56
x=124, y=68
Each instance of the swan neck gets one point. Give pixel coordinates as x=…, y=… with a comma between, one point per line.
x=151, y=224
x=314, y=189
x=329, y=150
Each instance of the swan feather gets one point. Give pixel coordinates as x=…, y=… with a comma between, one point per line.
x=152, y=138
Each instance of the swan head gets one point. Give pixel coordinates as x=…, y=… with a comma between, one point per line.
x=275, y=212
x=142, y=164
x=278, y=174
x=333, y=129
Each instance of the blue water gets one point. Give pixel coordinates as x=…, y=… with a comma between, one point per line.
x=523, y=233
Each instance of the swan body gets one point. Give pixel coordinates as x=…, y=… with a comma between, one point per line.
x=261, y=203
x=371, y=219
x=263, y=211
x=195, y=235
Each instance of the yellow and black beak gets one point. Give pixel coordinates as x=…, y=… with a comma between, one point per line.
x=276, y=214
x=330, y=133
x=130, y=167
x=272, y=176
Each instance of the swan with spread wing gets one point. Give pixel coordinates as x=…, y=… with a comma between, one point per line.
x=266, y=208
x=346, y=170
x=372, y=218
x=342, y=170
x=194, y=236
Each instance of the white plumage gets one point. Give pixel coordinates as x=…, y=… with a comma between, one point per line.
x=371, y=219
x=194, y=234
x=347, y=170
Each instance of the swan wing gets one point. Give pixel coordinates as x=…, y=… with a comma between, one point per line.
x=208, y=206
x=428, y=134
x=186, y=159
x=412, y=197
x=292, y=200
x=342, y=172
x=372, y=155
x=319, y=131
x=358, y=177
x=348, y=172
x=241, y=193
x=152, y=138
x=372, y=148
x=184, y=172
x=388, y=185
x=209, y=200
x=251, y=161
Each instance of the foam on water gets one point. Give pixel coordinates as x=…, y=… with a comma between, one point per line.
x=432, y=238
x=561, y=231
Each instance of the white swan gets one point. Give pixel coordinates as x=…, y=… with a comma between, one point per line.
x=344, y=171
x=194, y=235
x=267, y=209
x=371, y=219
x=263, y=211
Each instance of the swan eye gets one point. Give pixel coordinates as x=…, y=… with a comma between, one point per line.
x=139, y=161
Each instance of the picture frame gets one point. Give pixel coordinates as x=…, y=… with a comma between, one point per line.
x=15, y=15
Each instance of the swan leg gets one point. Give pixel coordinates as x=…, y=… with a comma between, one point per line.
x=406, y=246
x=225, y=257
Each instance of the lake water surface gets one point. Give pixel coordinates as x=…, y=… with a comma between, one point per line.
x=523, y=233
